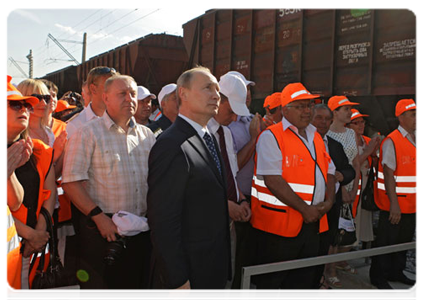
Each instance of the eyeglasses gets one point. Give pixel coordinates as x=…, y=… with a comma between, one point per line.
x=46, y=98
x=18, y=105
x=358, y=122
x=302, y=107
x=104, y=70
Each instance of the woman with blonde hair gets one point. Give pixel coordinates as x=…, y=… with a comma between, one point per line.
x=38, y=122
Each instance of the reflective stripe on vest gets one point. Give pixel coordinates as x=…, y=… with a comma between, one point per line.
x=12, y=234
x=296, y=187
x=399, y=190
x=400, y=178
x=271, y=215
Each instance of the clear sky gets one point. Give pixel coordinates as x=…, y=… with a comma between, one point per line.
x=106, y=29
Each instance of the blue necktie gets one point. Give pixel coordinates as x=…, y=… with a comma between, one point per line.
x=210, y=144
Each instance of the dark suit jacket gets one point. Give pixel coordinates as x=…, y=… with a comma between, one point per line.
x=187, y=212
x=340, y=159
x=157, y=127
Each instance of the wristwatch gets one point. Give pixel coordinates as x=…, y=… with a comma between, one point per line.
x=95, y=211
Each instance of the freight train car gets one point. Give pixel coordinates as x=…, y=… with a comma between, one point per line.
x=65, y=79
x=154, y=61
x=367, y=55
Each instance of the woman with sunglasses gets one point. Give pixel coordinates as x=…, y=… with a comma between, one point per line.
x=38, y=122
x=31, y=179
x=367, y=157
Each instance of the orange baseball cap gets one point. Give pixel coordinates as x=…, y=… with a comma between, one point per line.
x=273, y=100
x=338, y=101
x=403, y=106
x=356, y=114
x=13, y=94
x=294, y=92
x=63, y=105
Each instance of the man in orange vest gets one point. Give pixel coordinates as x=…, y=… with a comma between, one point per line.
x=292, y=190
x=396, y=197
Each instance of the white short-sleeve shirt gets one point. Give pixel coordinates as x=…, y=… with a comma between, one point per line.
x=269, y=157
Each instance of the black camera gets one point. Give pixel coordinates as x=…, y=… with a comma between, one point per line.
x=114, y=250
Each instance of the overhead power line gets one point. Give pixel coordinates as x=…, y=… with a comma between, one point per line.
x=110, y=24
x=18, y=67
x=63, y=48
x=124, y=26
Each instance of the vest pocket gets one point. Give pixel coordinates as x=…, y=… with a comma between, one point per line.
x=274, y=209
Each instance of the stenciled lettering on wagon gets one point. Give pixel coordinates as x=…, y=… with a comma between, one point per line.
x=398, y=49
x=241, y=64
x=240, y=28
x=285, y=12
x=289, y=33
x=355, y=21
x=208, y=34
x=352, y=53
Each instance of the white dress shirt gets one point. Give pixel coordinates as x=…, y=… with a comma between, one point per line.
x=213, y=126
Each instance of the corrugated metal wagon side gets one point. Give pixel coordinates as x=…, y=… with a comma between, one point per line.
x=154, y=61
x=367, y=55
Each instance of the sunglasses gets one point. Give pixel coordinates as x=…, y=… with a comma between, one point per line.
x=46, y=98
x=104, y=70
x=18, y=105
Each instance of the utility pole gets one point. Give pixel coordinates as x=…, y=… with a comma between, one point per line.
x=31, y=64
x=84, y=47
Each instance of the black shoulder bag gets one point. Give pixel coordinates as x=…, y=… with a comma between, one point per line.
x=55, y=275
x=367, y=194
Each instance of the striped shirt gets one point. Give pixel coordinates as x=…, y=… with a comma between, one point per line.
x=113, y=164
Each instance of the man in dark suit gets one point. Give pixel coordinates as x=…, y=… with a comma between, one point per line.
x=187, y=200
x=322, y=118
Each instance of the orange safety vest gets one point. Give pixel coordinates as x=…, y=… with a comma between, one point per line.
x=271, y=215
x=357, y=197
x=405, y=175
x=44, y=158
x=58, y=127
x=14, y=258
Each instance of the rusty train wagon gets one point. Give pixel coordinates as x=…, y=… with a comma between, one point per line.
x=154, y=61
x=66, y=79
x=367, y=55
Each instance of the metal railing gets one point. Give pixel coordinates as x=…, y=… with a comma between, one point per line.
x=247, y=272
x=67, y=292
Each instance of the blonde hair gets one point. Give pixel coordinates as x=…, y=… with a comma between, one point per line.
x=34, y=86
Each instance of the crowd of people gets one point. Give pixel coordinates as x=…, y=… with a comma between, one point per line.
x=183, y=189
